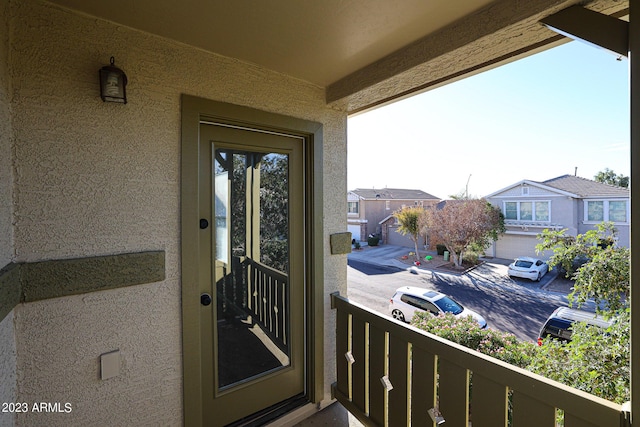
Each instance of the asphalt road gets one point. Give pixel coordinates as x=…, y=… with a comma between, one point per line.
x=519, y=307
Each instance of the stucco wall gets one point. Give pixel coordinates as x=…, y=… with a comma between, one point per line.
x=7, y=336
x=376, y=210
x=96, y=178
x=564, y=212
x=7, y=368
x=6, y=180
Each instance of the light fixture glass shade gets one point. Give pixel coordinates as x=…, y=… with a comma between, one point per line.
x=113, y=84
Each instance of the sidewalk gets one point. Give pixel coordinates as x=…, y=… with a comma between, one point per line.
x=386, y=255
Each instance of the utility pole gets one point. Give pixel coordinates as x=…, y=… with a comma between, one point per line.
x=466, y=188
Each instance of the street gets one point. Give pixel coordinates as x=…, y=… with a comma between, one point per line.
x=516, y=307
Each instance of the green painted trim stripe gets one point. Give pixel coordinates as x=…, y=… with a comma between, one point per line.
x=34, y=281
x=10, y=293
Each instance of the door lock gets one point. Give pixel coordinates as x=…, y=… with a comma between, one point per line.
x=205, y=299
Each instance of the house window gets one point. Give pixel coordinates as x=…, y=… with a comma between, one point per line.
x=606, y=210
x=387, y=205
x=595, y=211
x=542, y=211
x=527, y=211
x=353, y=207
x=618, y=211
x=511, y=210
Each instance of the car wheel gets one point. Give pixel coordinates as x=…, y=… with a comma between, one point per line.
x=539, y=277
x=398, y=315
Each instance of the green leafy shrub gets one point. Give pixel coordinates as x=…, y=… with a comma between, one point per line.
x=595, y=361
x=373, y=240
x=466, y=331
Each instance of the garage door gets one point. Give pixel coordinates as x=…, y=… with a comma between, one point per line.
x=512, y=246
x=355, y=232
x=398, y=239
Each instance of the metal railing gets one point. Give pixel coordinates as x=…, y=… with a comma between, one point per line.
x=392, y=374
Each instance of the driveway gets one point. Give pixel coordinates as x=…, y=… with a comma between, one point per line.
x=519, y=306
x=494, y=269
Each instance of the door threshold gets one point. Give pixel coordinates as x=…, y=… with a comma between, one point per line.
x=273, y=415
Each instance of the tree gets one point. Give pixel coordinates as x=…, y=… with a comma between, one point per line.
x=462, y=195
x=596, y=360
x=607, y=176
x=461, y=223
x=604, y=271
x=409, y=223
x=274, y=211
x=273, y=172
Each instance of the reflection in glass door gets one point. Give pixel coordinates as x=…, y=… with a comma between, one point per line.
x=251, y=206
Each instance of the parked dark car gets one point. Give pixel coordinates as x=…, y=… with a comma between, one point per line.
x=560, y=322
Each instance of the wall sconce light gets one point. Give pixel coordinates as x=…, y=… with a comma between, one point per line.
x=113, y=84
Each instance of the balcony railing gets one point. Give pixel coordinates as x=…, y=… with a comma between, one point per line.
x=392, y=374
x=268, y=301
x=259, y=292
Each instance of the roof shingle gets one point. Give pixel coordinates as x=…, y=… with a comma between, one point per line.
x=585, y=187
x=393, y=194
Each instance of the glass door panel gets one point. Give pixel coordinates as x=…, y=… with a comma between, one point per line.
x=252, y=338
x=251, y=206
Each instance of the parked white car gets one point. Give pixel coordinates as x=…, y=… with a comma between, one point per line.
x=408, y=299
x=528, y=268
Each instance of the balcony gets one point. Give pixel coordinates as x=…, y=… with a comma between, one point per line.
x=391, y=374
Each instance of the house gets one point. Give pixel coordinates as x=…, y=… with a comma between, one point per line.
x=565, y=202
x=142, y=283
x=370, y=211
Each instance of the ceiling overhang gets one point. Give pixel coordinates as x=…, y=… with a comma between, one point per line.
x=363, y=54
x=500, y=33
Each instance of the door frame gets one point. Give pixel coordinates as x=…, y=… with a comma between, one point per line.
x=195, y=110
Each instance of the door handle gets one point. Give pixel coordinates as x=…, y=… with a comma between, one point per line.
x=205, y=299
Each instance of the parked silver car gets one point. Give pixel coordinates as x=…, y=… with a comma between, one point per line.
x=408, y=299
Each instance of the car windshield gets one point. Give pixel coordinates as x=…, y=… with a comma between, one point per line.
x=446, y=304
x=523, y=264
x=559, y=324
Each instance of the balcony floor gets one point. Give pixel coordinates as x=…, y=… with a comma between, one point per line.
x=334, y=415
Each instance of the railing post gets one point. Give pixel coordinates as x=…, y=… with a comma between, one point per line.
x=634, y=120
x=370, y=346
x=333, y=296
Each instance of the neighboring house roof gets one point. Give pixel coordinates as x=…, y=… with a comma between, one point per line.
x=586, y=188
x=392, y=194
x=443, y=203
x=387, y=218
x=573, y=186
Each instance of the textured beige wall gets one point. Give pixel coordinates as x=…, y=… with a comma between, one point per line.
x=7, y=336
x=7, y=368
x=95, y=178
x=6, y=180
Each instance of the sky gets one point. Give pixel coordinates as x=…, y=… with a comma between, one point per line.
x=536, y=119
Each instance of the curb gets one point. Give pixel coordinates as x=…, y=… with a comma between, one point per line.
x=415, y=269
